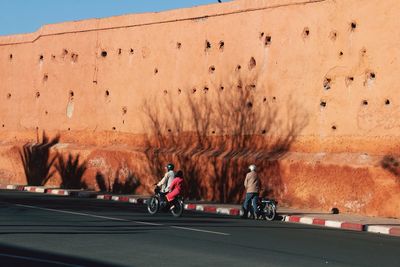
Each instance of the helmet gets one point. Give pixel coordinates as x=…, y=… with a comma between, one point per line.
x=179, y=174
x=252, y=167
x=170, y=167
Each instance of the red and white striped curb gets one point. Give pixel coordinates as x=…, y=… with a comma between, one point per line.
x=323, y=222
x=214, y=209
x=133, y=200
x=35, y=189
x=60, y=192
x=8, y=186
x=344, y=225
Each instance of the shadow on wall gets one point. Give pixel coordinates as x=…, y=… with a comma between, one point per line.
x=36, y=160
x=392, y=164
x=215, y=134
x=123, y=183
x=71, y=172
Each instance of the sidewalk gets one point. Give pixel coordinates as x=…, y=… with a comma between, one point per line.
x=324, y=219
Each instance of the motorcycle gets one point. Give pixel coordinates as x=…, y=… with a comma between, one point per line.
x=159, y=202
x=266, y=209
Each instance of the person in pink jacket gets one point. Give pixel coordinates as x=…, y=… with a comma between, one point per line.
x=176, y=187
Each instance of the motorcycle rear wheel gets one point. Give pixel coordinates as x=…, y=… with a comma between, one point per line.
x=269, y=212
x=153, y=205
x=177, y=209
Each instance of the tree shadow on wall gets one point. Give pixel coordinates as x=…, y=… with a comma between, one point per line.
x=36, y=160
x=71, y=172
x=223, y=132
x=120, y=185
x=392, y=164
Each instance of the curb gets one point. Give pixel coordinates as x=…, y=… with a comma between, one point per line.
x=133, y=200
x=35, y=189
x=214, y=209
x=60, y=192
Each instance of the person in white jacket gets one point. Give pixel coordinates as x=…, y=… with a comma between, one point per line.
x=167, y=179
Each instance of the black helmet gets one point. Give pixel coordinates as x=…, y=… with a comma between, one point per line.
x=170, y=167
x=179, y=174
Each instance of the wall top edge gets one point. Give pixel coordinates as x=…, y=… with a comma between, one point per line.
x=142, y=19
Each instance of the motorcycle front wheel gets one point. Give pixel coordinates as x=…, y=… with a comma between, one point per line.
x=153, y=204
x=177, y=209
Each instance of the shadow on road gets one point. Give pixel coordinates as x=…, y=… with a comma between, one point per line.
x=18, y=256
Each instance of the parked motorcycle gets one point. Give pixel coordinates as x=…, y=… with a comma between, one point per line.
x=158, y=203
x=266, y=209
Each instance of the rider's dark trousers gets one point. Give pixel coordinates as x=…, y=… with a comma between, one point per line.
x=250, y=197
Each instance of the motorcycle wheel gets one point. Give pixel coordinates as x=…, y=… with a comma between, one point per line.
x=177, y=210
x=153, y=204
x=269, y=212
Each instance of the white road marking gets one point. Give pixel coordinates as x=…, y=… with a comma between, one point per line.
x=39, y=260
x=199, y=230
x=124, y=220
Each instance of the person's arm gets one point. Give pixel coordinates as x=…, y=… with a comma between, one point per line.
x=163, y=181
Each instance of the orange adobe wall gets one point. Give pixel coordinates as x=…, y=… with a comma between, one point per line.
x=305, y=89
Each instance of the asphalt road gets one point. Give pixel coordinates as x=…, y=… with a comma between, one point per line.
x=42, y=230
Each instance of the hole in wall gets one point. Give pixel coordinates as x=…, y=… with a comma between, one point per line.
x=53, y=57
x=205, y=89
x=221, y=88
x=371, y=75
x=207, y=45
x=363, y=51
x=334, y=127
x=211, y=69
x=179, y=91
x=252, y=63
x=221, y=45
x=213, y=132
x=165, y=92
x=322, y=103
x=340, y=54
x=3, y=126
x=71, y=94
x=41, y=57
x=123, y=121
x=114, y=128
x=103, y=53
x=69, y=129
x=169, y=130
x=264, y=131
x=349, y=80
x=249, y=104
x=155, y=71
x=387, y=102
x=9, y=95
x=107, y=93
x=37, y=94
x=273, y=98
x=327, y=83
x=250, y=86
x=131, y=51
x=353, y=25
x=45, y=77
x=46, y=112
x=194, y=90
x=119, y=51
x=333, y=35
x=239, y=85
x=261, y=35
x=306, y=32
x=268, y=40
x=10, y=56
x=365, y=102
x=264, y=99
x=124, y=110
x=74, y=57
x=65, y=52
x=178, y=45
x=238, y=67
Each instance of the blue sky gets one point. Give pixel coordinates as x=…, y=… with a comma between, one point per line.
x=23, y=16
